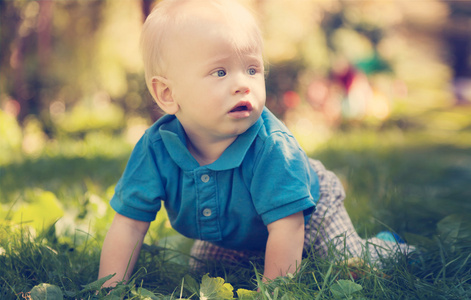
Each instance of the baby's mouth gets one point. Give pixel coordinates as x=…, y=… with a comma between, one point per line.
x=242, y=106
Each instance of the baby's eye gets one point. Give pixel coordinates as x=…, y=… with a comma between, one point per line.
x=252, y=71
x=219, y=73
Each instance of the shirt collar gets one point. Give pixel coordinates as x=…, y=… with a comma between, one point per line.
x=174, y=138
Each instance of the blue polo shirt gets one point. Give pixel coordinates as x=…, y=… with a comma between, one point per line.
x=261, y=177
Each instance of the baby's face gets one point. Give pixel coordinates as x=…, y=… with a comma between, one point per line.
x=220, y=90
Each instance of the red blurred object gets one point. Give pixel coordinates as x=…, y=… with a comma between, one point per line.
x=12, y=107
x=291, y=99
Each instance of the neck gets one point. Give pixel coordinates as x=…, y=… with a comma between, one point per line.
x=207, y=152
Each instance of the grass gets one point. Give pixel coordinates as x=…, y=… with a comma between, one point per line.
x=414, y=181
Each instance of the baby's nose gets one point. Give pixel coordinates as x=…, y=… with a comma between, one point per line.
x=242, y=90
x=241, y=85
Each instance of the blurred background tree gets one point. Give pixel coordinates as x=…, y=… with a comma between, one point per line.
x=71, y=67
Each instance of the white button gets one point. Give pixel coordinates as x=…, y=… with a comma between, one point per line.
x=206, y=212
x=205, y=178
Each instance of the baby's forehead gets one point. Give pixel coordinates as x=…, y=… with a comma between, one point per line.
x=172, y=21
x=206, y=16
x=225, y=12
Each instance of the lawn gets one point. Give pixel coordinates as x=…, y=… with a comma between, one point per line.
x=411, y=176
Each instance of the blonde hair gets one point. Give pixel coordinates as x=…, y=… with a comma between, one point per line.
x=168, y=15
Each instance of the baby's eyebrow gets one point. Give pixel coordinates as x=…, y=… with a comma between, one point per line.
x=256, y=58
x=246, y=58
x=217, y=60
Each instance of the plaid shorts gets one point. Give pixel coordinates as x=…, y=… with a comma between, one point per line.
x=329, y=233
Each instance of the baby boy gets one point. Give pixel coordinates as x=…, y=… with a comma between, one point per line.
x=230, y=174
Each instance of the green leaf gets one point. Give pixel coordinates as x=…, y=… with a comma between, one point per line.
x=343, y=289
x=143, y=294
x=287, y=296
x=117, y=292
x=190, y=284
x=42, y=213
x=215, y=289
x=96, y=285
x=111, y=297
x=244, y=294
x=46, y=291
x=420, y=240
x=455, y=227
x=275, y=292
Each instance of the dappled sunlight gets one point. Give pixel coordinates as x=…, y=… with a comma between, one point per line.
x=336, y=70
x=135, y=128
x=95, y=113
x=11, y=137
x=118, y=41
x=39, y=214
x=379, y=106
x=352, y=45
x=379, y=91
x=333, y=66
x=93, y=217
x=344, y=45
x=285, y=27
x=309, y=127
x=34, y=138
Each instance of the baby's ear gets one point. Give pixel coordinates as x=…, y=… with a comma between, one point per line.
x=163, y=95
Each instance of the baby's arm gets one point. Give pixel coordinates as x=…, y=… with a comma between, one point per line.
x=122, y=243
x=284, y=246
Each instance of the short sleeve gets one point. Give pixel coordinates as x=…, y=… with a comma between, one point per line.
x=283, y=182
x=139, y=191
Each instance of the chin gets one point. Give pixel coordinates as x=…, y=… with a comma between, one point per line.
x=241, y=129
